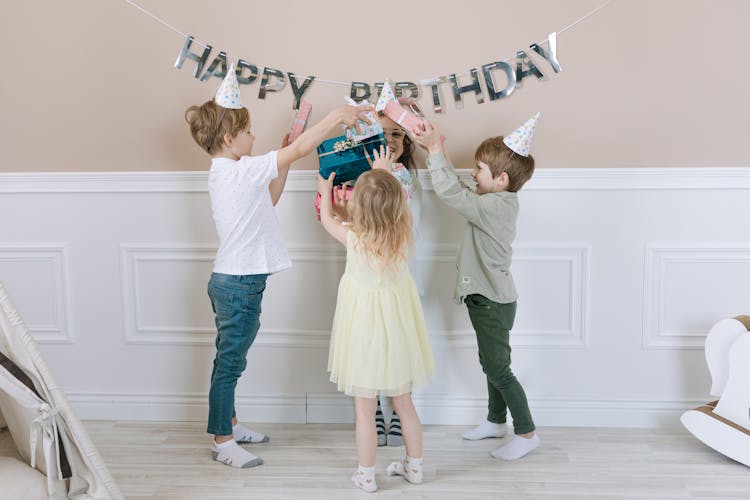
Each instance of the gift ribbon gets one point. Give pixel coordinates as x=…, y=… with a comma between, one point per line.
x=353, y=144
x=401, y=118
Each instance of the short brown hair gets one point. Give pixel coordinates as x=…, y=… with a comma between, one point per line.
x=500, y=158
x=209, y=122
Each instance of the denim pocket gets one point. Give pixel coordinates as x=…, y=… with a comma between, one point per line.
x=253, y=297
x=221, y=300
x=257, y=287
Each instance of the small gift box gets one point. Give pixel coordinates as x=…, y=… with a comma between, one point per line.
x=300, y=121
x=346, y=157
x=347, y=194
x=408, y=120
x=366, y=131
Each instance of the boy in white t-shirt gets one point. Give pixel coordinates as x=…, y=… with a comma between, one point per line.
x=243, y=191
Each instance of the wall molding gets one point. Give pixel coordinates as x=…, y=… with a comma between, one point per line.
x=657, y=257
x=56, y=255
x=575, y=255
x=334, y=407
x=596, y=179
x=138, y=331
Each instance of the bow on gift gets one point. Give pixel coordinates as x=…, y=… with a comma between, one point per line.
x=343, y=145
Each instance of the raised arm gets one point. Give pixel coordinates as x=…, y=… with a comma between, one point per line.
x=309, y=140
x=446, y=183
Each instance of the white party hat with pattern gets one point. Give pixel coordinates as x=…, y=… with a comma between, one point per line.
x=228, y=95
x=386, y=95
x=520, y=139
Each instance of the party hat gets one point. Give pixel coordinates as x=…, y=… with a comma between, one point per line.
x=386, y=95
x=228, y=95
x=520, y=139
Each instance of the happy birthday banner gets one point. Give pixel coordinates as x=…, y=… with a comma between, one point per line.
x=273, y=80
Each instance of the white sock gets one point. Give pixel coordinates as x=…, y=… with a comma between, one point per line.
x=484, y=430
x=231, y=454
x=244, y=435
x=364, y=478
x=516, y=448
x=409, y=467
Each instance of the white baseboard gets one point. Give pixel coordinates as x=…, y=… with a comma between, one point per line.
x=337, y=408
x=185, y=407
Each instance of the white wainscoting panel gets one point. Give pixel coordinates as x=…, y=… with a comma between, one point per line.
x=555, y=275
x=620, y=272
x=36, y=276
x=686, y=287
x=164, y=293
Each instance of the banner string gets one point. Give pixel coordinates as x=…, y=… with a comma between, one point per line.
x=334, y=82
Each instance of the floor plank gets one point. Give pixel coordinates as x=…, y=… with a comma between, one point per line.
x=314, y=461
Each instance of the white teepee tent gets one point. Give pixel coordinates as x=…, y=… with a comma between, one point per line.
x=47, y=434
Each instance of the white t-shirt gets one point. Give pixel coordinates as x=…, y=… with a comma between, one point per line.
x=250, y=239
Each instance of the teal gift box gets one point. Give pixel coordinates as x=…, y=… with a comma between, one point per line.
x=346, y=157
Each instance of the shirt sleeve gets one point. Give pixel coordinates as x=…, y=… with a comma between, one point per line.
x=451, y=190
x=262, y=169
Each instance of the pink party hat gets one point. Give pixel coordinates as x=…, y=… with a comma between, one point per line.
x=520, y=139
x=228, y=95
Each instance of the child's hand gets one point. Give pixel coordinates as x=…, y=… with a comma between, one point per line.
x=383, y=160
x=340, y=203
x=350, y=116
x=326, y=186
x=429, y=138
x=285, y=140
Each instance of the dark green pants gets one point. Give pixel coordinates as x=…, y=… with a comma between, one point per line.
x=492, y=323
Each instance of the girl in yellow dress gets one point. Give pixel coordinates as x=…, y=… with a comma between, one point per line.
x=379, y=342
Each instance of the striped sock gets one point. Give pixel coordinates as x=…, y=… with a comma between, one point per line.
x=380, y=425
x=394, y=431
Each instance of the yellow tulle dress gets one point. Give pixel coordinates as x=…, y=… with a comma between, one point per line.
x=379, y=343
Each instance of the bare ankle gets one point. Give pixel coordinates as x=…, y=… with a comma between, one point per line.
x=222, y=439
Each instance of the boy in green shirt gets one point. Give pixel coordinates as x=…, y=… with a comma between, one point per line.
x=484, y=282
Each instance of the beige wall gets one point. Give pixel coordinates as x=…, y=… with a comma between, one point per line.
x=90, y=85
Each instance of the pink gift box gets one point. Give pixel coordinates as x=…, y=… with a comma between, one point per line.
x=300, y=121
x=318, y=198
x=408, y=120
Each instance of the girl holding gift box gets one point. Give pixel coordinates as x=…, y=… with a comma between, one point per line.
x=243, y=191
x=379, y=343
x=398, y=158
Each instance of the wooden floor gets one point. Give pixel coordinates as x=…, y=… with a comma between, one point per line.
x=314, y=461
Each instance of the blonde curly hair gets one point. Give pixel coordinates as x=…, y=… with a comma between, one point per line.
x=380, y=218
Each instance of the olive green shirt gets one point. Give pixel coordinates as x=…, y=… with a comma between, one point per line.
x=485, y=253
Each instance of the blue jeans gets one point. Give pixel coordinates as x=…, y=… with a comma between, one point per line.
x=236, y=304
